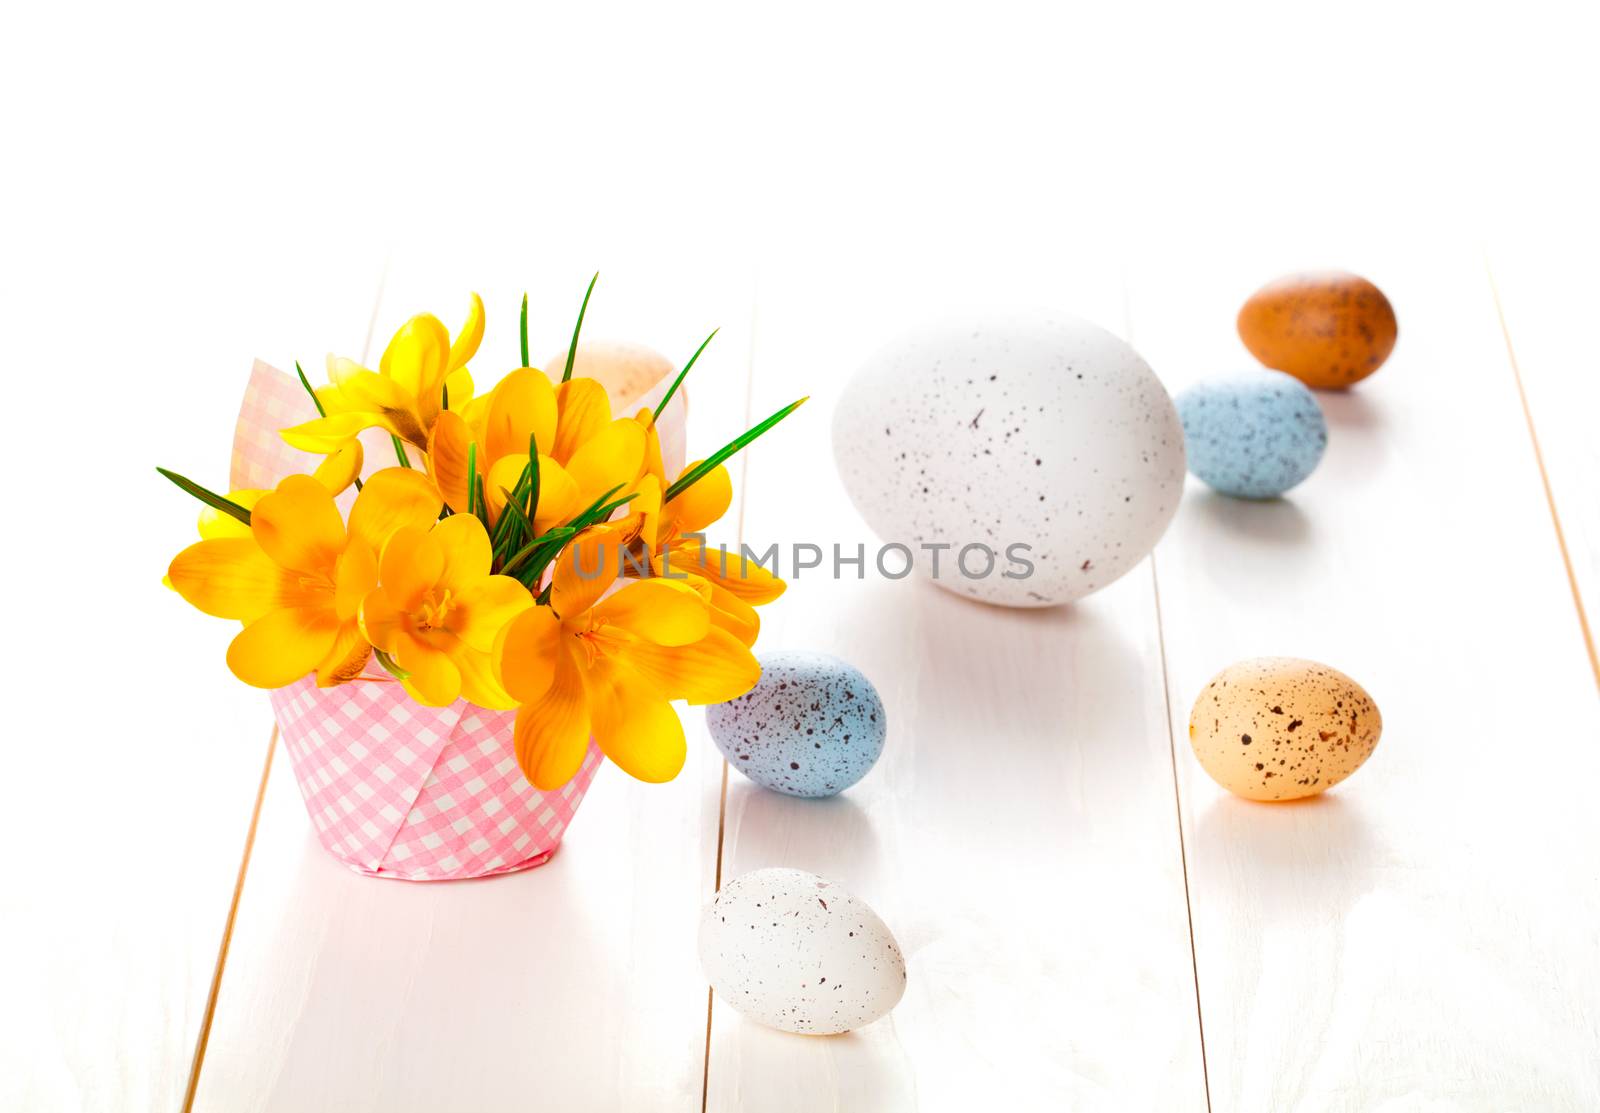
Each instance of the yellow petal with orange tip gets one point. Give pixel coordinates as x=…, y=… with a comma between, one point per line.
x=661, y=611
x=298, y=526
x=612, y=458
x=214, y=524
x=348, y=657
x=716, y=668
x=449, y=452
x=282, y=646
x=467, y=340
x=523, y=405
x=701, y=503
x=432, y=677
x=232, y=577
x=552, y=733
x=482, y=609
x=340, y=469
x=583, y=572
x=634, y=724
x=381, y=621
x=467, y=553
x=735, y=571
x=478, y=682
x=525, y=653
x=390, y=500
x=582, y=411
x=409, y=568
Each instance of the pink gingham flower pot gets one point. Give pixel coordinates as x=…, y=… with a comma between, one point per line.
x=396, y=789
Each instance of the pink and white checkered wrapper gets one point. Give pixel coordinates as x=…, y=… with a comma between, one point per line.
x=394, y=788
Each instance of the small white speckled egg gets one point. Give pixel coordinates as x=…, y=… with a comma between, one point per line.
x=793, y=951
x=1022, y=461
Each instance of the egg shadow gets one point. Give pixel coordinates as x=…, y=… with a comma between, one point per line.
x=1354, y=410
x=1295, y=863
x=815, y=834
x=1268, y=523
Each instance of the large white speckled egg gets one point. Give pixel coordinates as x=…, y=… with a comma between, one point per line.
x=793, y=951
x=1023, y=461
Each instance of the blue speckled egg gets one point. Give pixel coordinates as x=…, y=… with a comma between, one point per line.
x=1253, y=435
x=812, y=726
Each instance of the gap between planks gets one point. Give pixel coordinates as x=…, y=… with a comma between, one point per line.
x=210, y=1011
x=1544, y=475
x=722, y=795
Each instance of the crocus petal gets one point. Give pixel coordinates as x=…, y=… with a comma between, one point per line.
x=392, y=499
x=716, y=668
x=483, y=608
x=340, y=469
x=558, y=495
x=523, y=405
x=504, y=475
x=733, y=571
x=634, y=724
x=478, y=683
x=299, y=526
x=464, y=544
x=449, y=450
x=459, y=385
x=381, y=621
x=433, y=678
x=652, y=445
x=702, y=502
x=282, y=646
x=233, y=578
x=582, y=411
x=552, y=733
x=661, y=611
x=215, y=524
x=525, y=653
x=611, y=458
x=646, y=508
x=366, y=391
x=328, y=434
x=733, y=614
x=355, y=576
x=410, y=567
x=346, y=659
x=470, y=336
x=583, y=572
x=418, y=358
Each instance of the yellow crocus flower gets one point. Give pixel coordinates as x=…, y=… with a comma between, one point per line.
x=405, y=395
x=297, y=580
x=609, y=665
x=437, y=610
x=583, y=453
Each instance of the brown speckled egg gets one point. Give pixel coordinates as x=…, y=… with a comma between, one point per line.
x=1279, y=728
x=1328, y=329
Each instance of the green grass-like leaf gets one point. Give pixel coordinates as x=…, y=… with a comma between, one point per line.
x=400, y=451
x=676, y=383
x=390, y=666
x=210, y=498
x=572, y=349
x=695, y=474
x=528, y=564
x=525, y=329
x=305, y=382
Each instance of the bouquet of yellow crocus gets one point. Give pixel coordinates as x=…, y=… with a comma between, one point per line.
x=525, y=549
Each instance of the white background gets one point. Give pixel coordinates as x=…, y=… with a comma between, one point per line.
x=186, y=188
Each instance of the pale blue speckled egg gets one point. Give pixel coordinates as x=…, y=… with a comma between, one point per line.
x=812, y=726
x=1254, y=434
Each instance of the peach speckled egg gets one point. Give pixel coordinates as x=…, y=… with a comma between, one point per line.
x=1327, y=329
x=1279, y=728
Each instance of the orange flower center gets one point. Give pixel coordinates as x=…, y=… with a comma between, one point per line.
x=435, y=610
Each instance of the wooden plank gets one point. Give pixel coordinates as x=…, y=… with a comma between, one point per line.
x=1546, y=290
x=1019, y=833
x=571, y=986
x=1422, y=936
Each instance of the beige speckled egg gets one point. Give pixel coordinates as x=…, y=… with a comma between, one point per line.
x=1279, y=728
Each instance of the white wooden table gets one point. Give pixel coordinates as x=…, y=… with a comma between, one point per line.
x=1090, y=923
